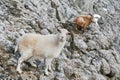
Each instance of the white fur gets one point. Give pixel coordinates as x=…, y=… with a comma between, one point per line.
x=96, y=17
x=44, y=46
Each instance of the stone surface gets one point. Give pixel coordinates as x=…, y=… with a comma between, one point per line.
x=80, y=43
x=92, y=55
x=105, y=68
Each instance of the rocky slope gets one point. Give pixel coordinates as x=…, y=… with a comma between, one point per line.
x=93, y=55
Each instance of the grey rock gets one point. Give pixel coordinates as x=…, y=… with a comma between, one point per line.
x=105, y=68
x=12, y=62
x=68, y=71
x=21, y=32
x=50, y=27
x=80, y=43
x=2, y=41
x=1, y=76
x=96, y=53
x=99, y=77
x=75, y=55
x=2, y=26
x=66, y=53
x=42, y=77
x=110, y=58
x=1, y=68
x=91, y=44
x=9, y=46
x=113, y=71
x=58, y=65
x=92, y=68
x=44, y=31
x=26, y=76
x=60, y=76
x=97, y=62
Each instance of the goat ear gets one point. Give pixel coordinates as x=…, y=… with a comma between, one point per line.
x=90, y=15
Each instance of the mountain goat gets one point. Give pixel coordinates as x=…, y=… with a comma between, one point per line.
x=85, y=20
x=82, y=21
x=45, y=46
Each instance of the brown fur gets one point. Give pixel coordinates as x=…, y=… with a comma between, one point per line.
x=83, y=21
x=28, y=41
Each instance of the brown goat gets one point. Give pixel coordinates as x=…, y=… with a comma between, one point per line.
x=83, y=21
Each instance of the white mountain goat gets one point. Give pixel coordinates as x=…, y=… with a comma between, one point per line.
x=45, y=46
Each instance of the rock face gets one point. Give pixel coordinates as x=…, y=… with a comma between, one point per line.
x=92, y=55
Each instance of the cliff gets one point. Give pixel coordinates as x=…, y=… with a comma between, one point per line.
x=92, y=55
